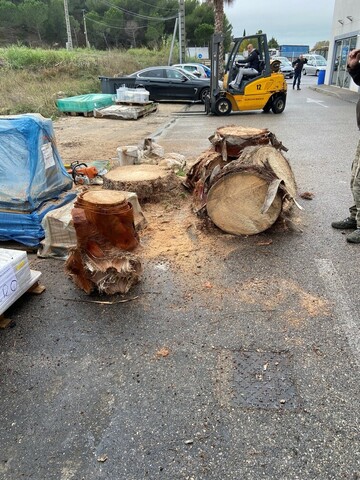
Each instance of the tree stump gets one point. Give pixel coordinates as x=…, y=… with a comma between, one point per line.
x=230, y=140
x=105, y=234
x=149, y=182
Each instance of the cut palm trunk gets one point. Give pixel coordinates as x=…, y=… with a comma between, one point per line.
x=243, y=182
x=105, y=234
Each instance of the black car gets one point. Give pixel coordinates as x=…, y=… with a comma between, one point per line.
x=163, y=83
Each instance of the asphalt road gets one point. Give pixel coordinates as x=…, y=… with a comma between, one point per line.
x=261, y=379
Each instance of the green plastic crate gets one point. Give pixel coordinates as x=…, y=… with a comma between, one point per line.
x=85, y=103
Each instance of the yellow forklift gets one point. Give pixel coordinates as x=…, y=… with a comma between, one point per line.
x=266, y=91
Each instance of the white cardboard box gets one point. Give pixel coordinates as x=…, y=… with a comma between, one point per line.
x=15, y=276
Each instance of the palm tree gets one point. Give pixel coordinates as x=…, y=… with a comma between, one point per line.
x=219, y=27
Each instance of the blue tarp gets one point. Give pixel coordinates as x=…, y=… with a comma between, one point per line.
x=31, y=170
x=26, y=227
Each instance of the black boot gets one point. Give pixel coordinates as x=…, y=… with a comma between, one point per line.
x=348, y=222
x=354, y=236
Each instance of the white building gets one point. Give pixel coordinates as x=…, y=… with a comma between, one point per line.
x=345, y=36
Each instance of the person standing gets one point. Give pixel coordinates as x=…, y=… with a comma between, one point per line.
x=298, y=65
x=353, y=221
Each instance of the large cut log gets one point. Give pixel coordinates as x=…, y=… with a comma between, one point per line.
x=149, y=182
x=243, y=182
x=229, y=143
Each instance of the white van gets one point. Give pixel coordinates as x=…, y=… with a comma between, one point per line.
x=314, y=64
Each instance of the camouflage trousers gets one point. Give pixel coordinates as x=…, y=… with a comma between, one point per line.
x=355, y=186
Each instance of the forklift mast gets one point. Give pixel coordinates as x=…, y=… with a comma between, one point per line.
x=216, y=40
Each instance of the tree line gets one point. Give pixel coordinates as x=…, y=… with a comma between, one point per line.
x=107, y=23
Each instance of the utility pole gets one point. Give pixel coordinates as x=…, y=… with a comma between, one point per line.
x=182, y=39
x=69, y=44
x=173, y=41
x=85, y=31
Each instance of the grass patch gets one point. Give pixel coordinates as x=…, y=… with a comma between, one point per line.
x=30, y=79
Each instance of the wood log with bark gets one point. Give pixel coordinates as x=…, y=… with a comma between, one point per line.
x=243, y=182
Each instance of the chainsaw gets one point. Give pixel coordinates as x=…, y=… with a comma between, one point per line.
x=83, y=174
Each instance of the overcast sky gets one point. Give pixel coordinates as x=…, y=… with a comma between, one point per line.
x=295, y=22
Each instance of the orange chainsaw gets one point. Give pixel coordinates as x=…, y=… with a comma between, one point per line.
x=84, y=175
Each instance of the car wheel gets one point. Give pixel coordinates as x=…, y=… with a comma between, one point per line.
x=205, y=92
x=222, y=106
x=278, y=104
x=317, y=73
x=304, y=71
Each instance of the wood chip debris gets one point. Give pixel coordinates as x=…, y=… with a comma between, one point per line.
x=163, y=352
x=264, y=243
x=307, y=195
x=102, y=458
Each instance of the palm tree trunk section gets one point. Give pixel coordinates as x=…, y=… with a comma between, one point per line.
x=243, y=182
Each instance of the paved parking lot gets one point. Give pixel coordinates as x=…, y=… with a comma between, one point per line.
x=235, y=357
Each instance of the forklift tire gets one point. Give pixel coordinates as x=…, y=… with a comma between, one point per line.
x=278, y=104
x=222, y=106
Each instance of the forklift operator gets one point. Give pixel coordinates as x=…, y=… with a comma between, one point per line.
x=251, y=67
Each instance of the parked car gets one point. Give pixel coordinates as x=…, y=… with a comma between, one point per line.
x=285, y=66
x=194, y=68
x=314, y=64
x=169, y=83
x=207, y=70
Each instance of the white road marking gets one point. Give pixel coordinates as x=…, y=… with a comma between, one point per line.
x=342, y=304
x=319, y=102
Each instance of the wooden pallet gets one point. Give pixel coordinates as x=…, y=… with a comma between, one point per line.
x=125, y=111
x=134, y=104
x=80, y=114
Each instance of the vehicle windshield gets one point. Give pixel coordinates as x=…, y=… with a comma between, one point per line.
x=320, y=60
